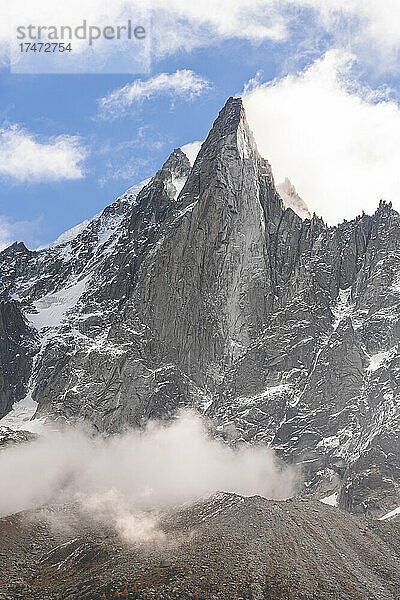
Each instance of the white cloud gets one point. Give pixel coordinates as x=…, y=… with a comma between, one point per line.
x=26, y=159
x=338, y=144
x=177, y=24
x=377, y=21
x=120, y=169
x=183, y=84
x=352, y=23
x=191, y=150
x=6, y=236
x=27, y=231
x=164, y=465
x=186, y=25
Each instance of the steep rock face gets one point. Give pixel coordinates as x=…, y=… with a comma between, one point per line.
x=190, y=285
x=14, y=264
x=205, y=289
x=198, y=288
x=85, y=370
x=320, y=383
x=17, y=347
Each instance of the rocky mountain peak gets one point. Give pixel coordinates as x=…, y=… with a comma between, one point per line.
x=227, y=131
x=228, y=149
x=177, y=164
x=174, y=173
x=199, y=289
x=17, y=248
x=292, y=200
x=384, y=205
x=385, y=210
x=209, y=281
x=230, y=116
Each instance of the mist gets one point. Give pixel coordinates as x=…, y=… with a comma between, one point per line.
x=124, y=476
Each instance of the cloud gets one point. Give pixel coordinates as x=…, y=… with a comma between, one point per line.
x=121, y=165
x=191, y=150
x=184, y=25
x=183, y=84
x=367, y=26
x=337, y=142
x=6, y=236
x=177, y=25
x=28, y=231
x=24, y=158
x=165, y=465
x=125, y=170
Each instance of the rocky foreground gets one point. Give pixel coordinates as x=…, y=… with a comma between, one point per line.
x=225, y=547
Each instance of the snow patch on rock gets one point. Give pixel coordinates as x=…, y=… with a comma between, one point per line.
x=20, y=418
x=343, y=308
x=52, y=309
x=331, y=500
x=390, y=515
x=71, y=234
x=378, y=360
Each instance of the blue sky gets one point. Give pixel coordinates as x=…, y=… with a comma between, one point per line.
x=53, y=105
x=347, y=75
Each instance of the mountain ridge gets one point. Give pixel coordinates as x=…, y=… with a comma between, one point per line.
x=198, y=288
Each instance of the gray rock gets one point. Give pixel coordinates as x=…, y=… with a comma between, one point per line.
x=225, y=546
x=200, y=289
x=18, y=345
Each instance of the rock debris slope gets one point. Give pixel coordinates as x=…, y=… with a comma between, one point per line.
x=223, y=548
x=199, y=288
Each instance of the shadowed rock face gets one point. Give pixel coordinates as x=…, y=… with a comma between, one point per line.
x=200, y=289
x=205, y=290
x=17, y=347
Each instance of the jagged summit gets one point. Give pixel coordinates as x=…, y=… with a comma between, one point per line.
x=292, y=200
x=197, y=288
x=177, y=164
x=230, y=120
x=230, y=116
x=385, y=204
x=173, y=173
x=220, y=228
x=18, y=248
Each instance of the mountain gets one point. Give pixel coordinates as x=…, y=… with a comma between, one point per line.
x=199, y=288
x=223, y=547
x=292, y=200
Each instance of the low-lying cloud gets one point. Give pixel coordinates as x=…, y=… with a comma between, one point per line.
x=123, y=477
